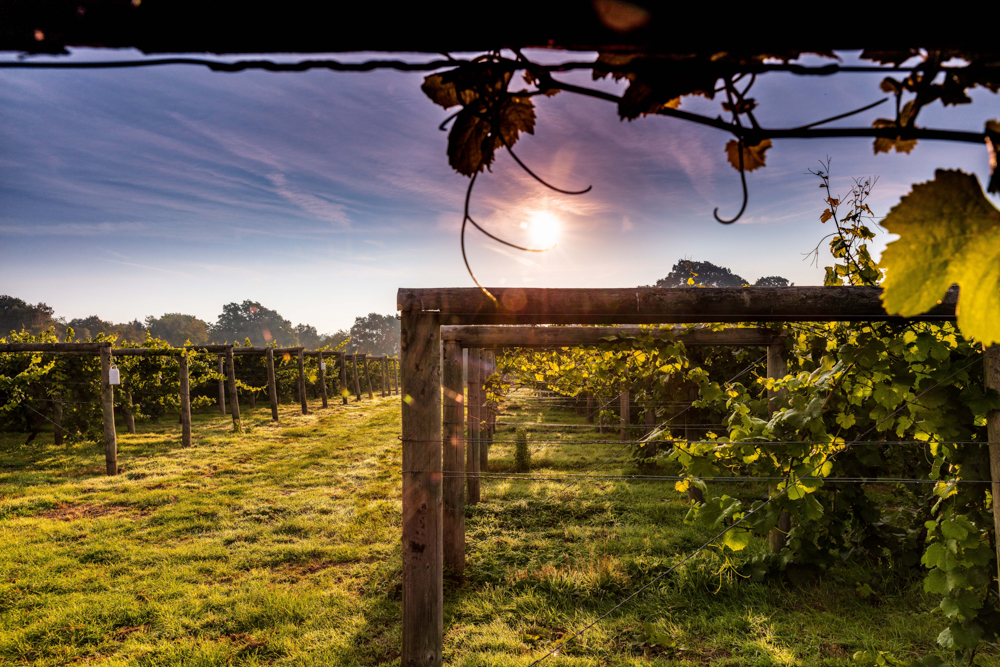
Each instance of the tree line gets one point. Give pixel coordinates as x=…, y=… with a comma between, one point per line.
x=238, y=322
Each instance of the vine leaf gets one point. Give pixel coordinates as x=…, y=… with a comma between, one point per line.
x=886, y=144
x=470, y=147
x=753, y=156
x=949, y=233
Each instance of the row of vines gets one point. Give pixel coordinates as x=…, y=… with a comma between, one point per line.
x=34, y=387
x=886, y=401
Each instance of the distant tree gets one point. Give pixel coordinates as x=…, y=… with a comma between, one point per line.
x=772, y=281
x=706, y=274
x=177, y=329
x=375, y=334
x=16, y=315
x=335, y=339
x=89, y=327
x=703, y=274
x=308, y=337
x=249, y=319
x=133, y=332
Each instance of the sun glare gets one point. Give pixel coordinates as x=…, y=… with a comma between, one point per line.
x=543, y=227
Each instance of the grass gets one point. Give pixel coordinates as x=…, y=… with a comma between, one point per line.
x=281, y=546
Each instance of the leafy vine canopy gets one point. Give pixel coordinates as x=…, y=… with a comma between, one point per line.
x=662, y=55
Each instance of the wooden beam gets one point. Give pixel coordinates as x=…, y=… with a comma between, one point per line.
x=145, y=352
x=344, y=392
x=423, y=581
x=651, y=305
x=222, y=386
x=55, y=348
x=322, y=378
x=498, y=337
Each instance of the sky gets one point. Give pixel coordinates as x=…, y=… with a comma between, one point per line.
x=136, y=192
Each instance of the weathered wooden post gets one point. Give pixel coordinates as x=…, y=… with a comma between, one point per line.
x=357, y=377
x=57, y=431
x=129, y=416
x=395, y=368
x=423, y=582
x=368, y=379
x=991, y=377
x=185, y=399
x=234, y=396
x=385, y=375
x=222, y=387
x=625, y=416
x=453, y=464
x=777, y=367
x=108, y=411
x=272, y=384
x=322, y=378
x=302, y=382
x=342, y=360
x=485, y=435
x=472, y=449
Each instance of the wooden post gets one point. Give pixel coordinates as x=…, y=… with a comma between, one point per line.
x=777, y=367
x=234, y=397
x=129, y=416
x=302, y=383
x=395, y=367
x=453, y=464
x=368, y=379
x=322, y=379
x=357, y=378
x=185, y=399
x=590, y=408
x=423, y=581
x=472, y=450
x=222, y=387
x=108, y=413
x=342, y=360
x=625, y=415
x=272, y=384
x=385, y=375
x=57, y=432
x=991, y=377
x=485, y=437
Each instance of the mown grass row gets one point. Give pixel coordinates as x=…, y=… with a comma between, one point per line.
x=281, y=546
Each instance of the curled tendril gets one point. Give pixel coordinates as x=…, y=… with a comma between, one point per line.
x=467, y=217
x=743, y=182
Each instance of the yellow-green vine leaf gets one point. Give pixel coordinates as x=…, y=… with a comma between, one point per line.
x=949, y=233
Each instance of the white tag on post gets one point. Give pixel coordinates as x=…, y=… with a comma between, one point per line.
x=113, y=376
x=322, y=365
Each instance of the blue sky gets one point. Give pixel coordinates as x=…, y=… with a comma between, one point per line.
x=127, y=193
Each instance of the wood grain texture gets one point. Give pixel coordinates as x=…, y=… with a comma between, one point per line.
x=108, y=413
x=991, y=378
x=497, y=337
x=423, y=581
x=453, y=458
x=303, y=399
x=472, y=449
x=79, y=348
x=185, y=383
x=234, y=396
x=651, y=305
x=322, y=379
x=272, y=385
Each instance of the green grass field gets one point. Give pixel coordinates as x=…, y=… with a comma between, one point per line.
x=281, y=546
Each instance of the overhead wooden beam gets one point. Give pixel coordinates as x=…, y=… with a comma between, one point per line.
x=651, y=305
x=71, y=348
x=495, y=337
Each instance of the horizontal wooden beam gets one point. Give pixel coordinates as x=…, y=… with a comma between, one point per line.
x=70, y=348
x=492, y=337
x=651, y=305
x=145, y=352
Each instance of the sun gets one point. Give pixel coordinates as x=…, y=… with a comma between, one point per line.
x=544, y=228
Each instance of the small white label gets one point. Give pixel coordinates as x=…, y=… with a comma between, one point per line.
x=113, y=377
x=322, y=365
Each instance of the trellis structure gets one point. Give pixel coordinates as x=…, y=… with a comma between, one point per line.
x=424, y=313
